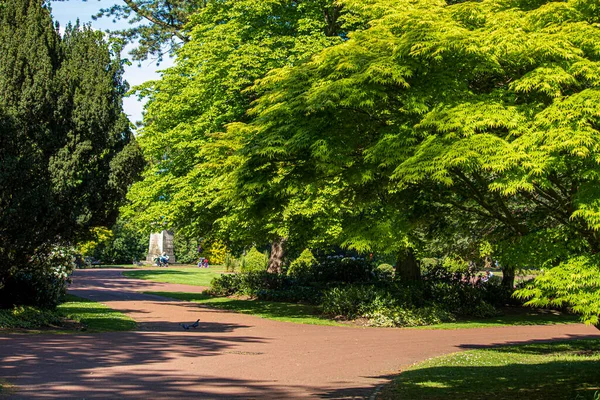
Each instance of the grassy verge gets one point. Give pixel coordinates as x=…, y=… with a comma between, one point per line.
x=279, y=311
x=182, y=275
x=540, y=371
x=76, y=314
x=306, y=314
x=95, y=317
x=5, y=388
x=518, y=317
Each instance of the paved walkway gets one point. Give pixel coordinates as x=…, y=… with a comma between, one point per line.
x=230, y=355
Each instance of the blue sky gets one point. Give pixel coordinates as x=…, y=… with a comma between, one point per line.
x=65, y=11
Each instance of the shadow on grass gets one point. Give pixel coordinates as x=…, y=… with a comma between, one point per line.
x=95, y=317
x=564, y=370
x=512, y=317
x=280, y=311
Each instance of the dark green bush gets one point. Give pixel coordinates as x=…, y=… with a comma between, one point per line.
x=225, y=285
x=381, y=307
x=42, y=282
x=340, y=268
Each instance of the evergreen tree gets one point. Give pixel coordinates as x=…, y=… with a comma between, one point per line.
x=68, y=153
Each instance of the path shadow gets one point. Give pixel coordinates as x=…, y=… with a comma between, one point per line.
x=61, y=365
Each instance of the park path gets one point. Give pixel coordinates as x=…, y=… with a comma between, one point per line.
x=229, y=356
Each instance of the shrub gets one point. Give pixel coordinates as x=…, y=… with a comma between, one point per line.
x=355, y=301
x=42, y=282
x=225, y=285
x=381, y=306
x=340, y=268
x=385, y=272
x=254, y=261
x=265, y=286
x=231, y=263
x=216, y=252
x=303, y=267
x=398, y=316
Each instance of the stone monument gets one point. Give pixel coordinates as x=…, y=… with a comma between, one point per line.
x=161, y=243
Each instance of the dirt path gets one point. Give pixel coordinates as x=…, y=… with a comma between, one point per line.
x=229, y=355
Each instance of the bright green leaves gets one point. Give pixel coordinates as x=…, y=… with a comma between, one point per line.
x=575, y=283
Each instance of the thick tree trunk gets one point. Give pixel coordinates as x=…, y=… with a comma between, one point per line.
x=407, y=266
x=276, y=259
x=508, y=278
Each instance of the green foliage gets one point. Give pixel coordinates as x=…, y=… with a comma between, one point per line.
x=461, y=124
x=303, y=266
x=574, y=284
x=157, y=27
x=189, y=185
x=186, y=249
x=68, y=155
x=385, y=271
x=231, y=263
x=42, y=281
x=216, y=252
x=254, y=261
x=264, y=286
x=380, y=307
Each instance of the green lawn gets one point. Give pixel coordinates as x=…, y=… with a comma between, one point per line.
x=279, y=311
x=75, y=314
x=307, y=314
x=526, y=316
x=183, y=275
x=95, y=317
x=541, y=371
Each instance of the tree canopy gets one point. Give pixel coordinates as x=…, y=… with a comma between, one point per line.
x=68, y=155
x=418, y=128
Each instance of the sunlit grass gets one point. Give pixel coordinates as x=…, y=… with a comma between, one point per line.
x=181, y=275
x=95, y=317
x=540, y=371
x=278, y=311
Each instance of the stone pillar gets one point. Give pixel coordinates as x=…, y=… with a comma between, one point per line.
x=161, y=243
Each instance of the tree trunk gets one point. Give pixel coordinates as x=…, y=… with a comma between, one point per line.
x=407, y=266
x=508, y=278
x=276, y=258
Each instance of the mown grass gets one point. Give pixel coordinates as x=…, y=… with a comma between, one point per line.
x=75, y=314
x=522, y=316
x=307, y=314
x=182, y=275
x=278, y=311
x=94, y=316
x=539, y=371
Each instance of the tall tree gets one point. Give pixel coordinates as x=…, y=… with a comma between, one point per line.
x=68, y=154
x=501, y=121
x=232, y=44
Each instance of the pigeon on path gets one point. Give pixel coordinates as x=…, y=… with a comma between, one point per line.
x=195, y=324
x=185, y=326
